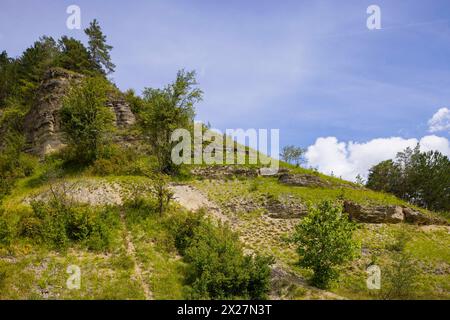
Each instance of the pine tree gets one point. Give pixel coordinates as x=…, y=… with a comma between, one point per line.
x=75, y=56
x=98, y=48
x=33, y=64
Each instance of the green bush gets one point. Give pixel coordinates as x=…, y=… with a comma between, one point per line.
x=59, y=224
x=3, y=276
x=217, y=266
x=399, y=278
x=325, y=242
x=6, y=231
x=86, y=120
x=117, y=160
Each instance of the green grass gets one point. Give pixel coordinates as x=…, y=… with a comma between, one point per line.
x=428, y=246
x=32, y=271
x=158, y=256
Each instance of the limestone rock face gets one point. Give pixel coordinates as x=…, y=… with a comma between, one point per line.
x=416, y=217
x=302, y=180
x=374, y=214
x=42, y=124
x=224, y=172
x=388, y=214
x=122, y=112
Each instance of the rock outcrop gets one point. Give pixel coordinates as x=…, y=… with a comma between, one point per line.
x=388, y=214
x=303, y=180
x=224, y=172
x=285, y=209
x=374, y=214
x=123, y=115
x=42, y=123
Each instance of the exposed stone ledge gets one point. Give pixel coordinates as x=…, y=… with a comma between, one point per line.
x=388, y=214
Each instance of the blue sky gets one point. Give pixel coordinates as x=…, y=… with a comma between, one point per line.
x=310, y=68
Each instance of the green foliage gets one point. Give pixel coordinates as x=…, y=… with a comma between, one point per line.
x=98, y=48
x=14, y=164
x=86, y=120
x=6, y=230
x=21, y=77
x=292, y=154
x=136, y=103
x=166, y=110
x=32, y=66
x=59, y=222
x=75, y=57
x=399, y=279
x=217, y=267
x=116, y=160
x=325, y=242
x=162, y=192
x=421, y=178
x=8, y=78
x=3, y=276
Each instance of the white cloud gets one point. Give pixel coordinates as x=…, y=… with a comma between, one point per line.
x=348, y=159
x=440, y=121
x=433, y=142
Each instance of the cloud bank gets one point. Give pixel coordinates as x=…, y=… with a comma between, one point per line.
x=348, y=159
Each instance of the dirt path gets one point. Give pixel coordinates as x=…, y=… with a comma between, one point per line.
x=131, y=251
x=193, y=199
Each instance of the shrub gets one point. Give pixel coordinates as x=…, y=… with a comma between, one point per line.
x=58, y=223
x=325, y=241
x=3, y=276
x=85, y=119
x=116, y=160
x=399, y=279
x=218, y=268
x=6, y=232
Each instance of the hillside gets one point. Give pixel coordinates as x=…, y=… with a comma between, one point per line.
x=94, y=203
x=141, y=263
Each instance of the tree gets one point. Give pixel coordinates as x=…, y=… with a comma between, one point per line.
x=85, y=118
x=325, y=242
x=98, y=47
x=74, y=56
x=292, y=154
x=384, y=176
x=8, y=78
x=33, y=64
x=421, y=178
x=162, y=192
x=165, y=110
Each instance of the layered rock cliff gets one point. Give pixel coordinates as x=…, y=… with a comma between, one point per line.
x=42, y=124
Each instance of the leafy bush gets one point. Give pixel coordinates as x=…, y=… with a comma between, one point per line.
x=3, y=276
x=58, y=223
x=6, y=231
x=399, y=278
x=117, y=160
x=85, y=119
x=218, y=268
x=325, y=241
